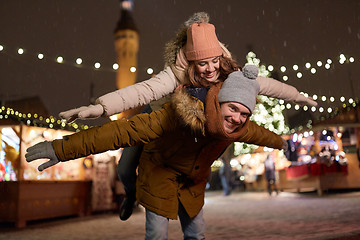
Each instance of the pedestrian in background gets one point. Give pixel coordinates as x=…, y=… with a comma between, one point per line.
x=270, y=173
x=225, y=176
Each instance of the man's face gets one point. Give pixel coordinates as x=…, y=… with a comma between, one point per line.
x=233, y=115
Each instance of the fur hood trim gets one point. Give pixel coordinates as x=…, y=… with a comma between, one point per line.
x=173, y=46
x=190, y=110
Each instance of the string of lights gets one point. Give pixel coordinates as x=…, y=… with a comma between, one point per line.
x=313, y=68
x=326, y=112
x=36, y=120
x=76, y=62
x=324, y=102
x=319, y=108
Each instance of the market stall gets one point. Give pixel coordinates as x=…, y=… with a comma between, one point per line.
x=324, y=160
x=78, y=187
x=322, y=164
x=327, y=157
x=28, y=194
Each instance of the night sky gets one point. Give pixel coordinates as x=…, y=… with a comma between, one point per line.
x=280, y=32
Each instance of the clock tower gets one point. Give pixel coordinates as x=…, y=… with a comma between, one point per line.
x=126, y=46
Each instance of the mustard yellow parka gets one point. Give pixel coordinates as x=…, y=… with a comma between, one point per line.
x=177, y=153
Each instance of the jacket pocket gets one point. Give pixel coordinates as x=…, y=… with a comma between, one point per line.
x=198, y=189
x=158, y=181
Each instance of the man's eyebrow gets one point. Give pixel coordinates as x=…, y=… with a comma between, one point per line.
x=238, y=109
x=233, y=106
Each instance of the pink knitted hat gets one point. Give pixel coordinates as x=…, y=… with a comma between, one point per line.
x=202, y=42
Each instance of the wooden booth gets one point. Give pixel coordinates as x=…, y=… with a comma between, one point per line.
x=26, y=193
x=328, y=158
x=78, y=187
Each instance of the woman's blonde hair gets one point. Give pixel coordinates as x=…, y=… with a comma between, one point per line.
x=227, y=66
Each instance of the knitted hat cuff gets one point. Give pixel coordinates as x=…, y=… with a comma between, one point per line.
x=203, y=54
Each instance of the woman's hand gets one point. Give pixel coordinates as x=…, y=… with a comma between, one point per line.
x=84, y=112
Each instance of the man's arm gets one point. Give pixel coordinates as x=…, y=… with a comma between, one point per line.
x=140, y=129
x=261, y=136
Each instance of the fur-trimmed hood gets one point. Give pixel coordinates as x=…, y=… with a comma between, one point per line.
x=190, y=110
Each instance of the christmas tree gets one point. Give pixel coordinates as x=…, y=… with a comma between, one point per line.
x=267, y=113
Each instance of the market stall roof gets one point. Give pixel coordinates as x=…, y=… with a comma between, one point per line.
x=347, y=116
x=32, y=112
x=29, y=105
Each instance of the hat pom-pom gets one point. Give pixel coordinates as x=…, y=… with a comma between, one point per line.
x=198, y=17
x=250, y=71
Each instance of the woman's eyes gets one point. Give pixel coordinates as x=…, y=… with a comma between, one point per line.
x=202, y=64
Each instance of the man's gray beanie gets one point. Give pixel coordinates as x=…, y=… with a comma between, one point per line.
x=241, y=87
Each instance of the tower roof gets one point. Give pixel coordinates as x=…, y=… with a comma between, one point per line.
x=126, y=21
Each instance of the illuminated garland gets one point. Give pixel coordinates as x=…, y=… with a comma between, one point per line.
x=310, y=67
x=266, y=70
x=321, y=109
x=39, y=121
x=307, y=67
x=327, y=112
x=76, y=62
x=333, y=114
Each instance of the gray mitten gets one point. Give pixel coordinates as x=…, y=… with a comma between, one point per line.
x=40, y=151
x=85, y=112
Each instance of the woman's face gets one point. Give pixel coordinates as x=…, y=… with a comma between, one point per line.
x=208, y=69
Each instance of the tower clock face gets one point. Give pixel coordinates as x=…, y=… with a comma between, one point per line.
x=126, y=41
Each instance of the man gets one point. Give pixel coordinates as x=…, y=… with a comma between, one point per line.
x=270, y=173
x=178, y=152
